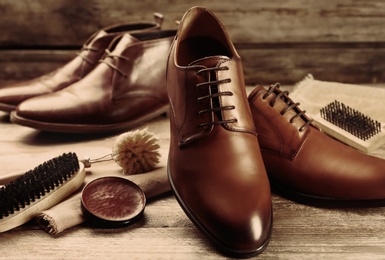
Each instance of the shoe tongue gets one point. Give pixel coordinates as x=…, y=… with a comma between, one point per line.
x=256, y=91
x=210, y=61
x=260, y=88
x=97, y=36
x=124, y=41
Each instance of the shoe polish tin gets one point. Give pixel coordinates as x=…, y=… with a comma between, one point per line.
x=110, y=202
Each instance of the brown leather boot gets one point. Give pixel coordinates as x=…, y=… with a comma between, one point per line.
x=91, y=52
x=306, y=164
x=215, y=166
x=126, y=88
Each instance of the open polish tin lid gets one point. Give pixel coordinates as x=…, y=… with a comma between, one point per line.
x=112, y=201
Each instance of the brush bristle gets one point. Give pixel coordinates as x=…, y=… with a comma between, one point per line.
x=36, y=183
x=136, y=151
x=351, y=120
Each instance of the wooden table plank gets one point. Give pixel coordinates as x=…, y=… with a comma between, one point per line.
x=299, y=232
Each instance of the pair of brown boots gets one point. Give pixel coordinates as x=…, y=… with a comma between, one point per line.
x=116, y=82
x=226, y=149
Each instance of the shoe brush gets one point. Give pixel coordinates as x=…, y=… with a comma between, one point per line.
x=351, y=126
x=24, y=197
x=134, y=151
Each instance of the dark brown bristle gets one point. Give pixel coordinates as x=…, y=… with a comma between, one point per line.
x=351, y=120
x=36, y=183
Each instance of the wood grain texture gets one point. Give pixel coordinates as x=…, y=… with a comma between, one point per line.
x=289, y=64
x=19, y=65
x=279, y=40
x=299, y=231
x=69, y=22
x=265, y=64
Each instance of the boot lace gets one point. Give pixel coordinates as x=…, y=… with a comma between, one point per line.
x=284, y=95
x=113, y=66
x=214, y=96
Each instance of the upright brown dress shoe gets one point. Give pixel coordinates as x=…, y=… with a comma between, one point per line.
x=306, y=164
x=92, y=50
x=215, y=166
x=126, y=88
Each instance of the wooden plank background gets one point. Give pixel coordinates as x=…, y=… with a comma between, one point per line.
x=279, y=40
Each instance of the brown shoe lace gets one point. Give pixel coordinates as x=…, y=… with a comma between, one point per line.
x=284, y=95
x=214, y=96
x=113, y=66
x=83, y=53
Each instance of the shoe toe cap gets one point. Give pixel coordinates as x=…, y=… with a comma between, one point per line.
x=246, y=236
x=237, y=221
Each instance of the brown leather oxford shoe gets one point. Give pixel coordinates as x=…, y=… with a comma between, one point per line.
x=91, y=52
x=215, y=166
x=127, y=88
x=306, y=164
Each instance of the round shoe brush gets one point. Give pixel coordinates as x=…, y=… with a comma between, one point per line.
x=136, y=151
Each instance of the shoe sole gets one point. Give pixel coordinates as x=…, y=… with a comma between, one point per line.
x=7, y=108
x=219, y=245
x=319, y=201
x=86, y=128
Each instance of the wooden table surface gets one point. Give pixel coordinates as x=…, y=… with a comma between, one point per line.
x=164, y=232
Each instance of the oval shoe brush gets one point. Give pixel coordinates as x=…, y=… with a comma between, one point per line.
x=39, y=189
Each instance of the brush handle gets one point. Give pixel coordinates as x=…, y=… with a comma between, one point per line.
x=68, y=213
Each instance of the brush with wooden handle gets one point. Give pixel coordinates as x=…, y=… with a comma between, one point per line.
x=23, y=196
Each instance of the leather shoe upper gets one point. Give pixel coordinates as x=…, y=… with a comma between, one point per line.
x=89, y=55
x=215, y=166
x=126, y=88
x=305, y=162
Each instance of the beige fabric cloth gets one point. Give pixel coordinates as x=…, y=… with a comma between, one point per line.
x=68, y=213
x=62, y=216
